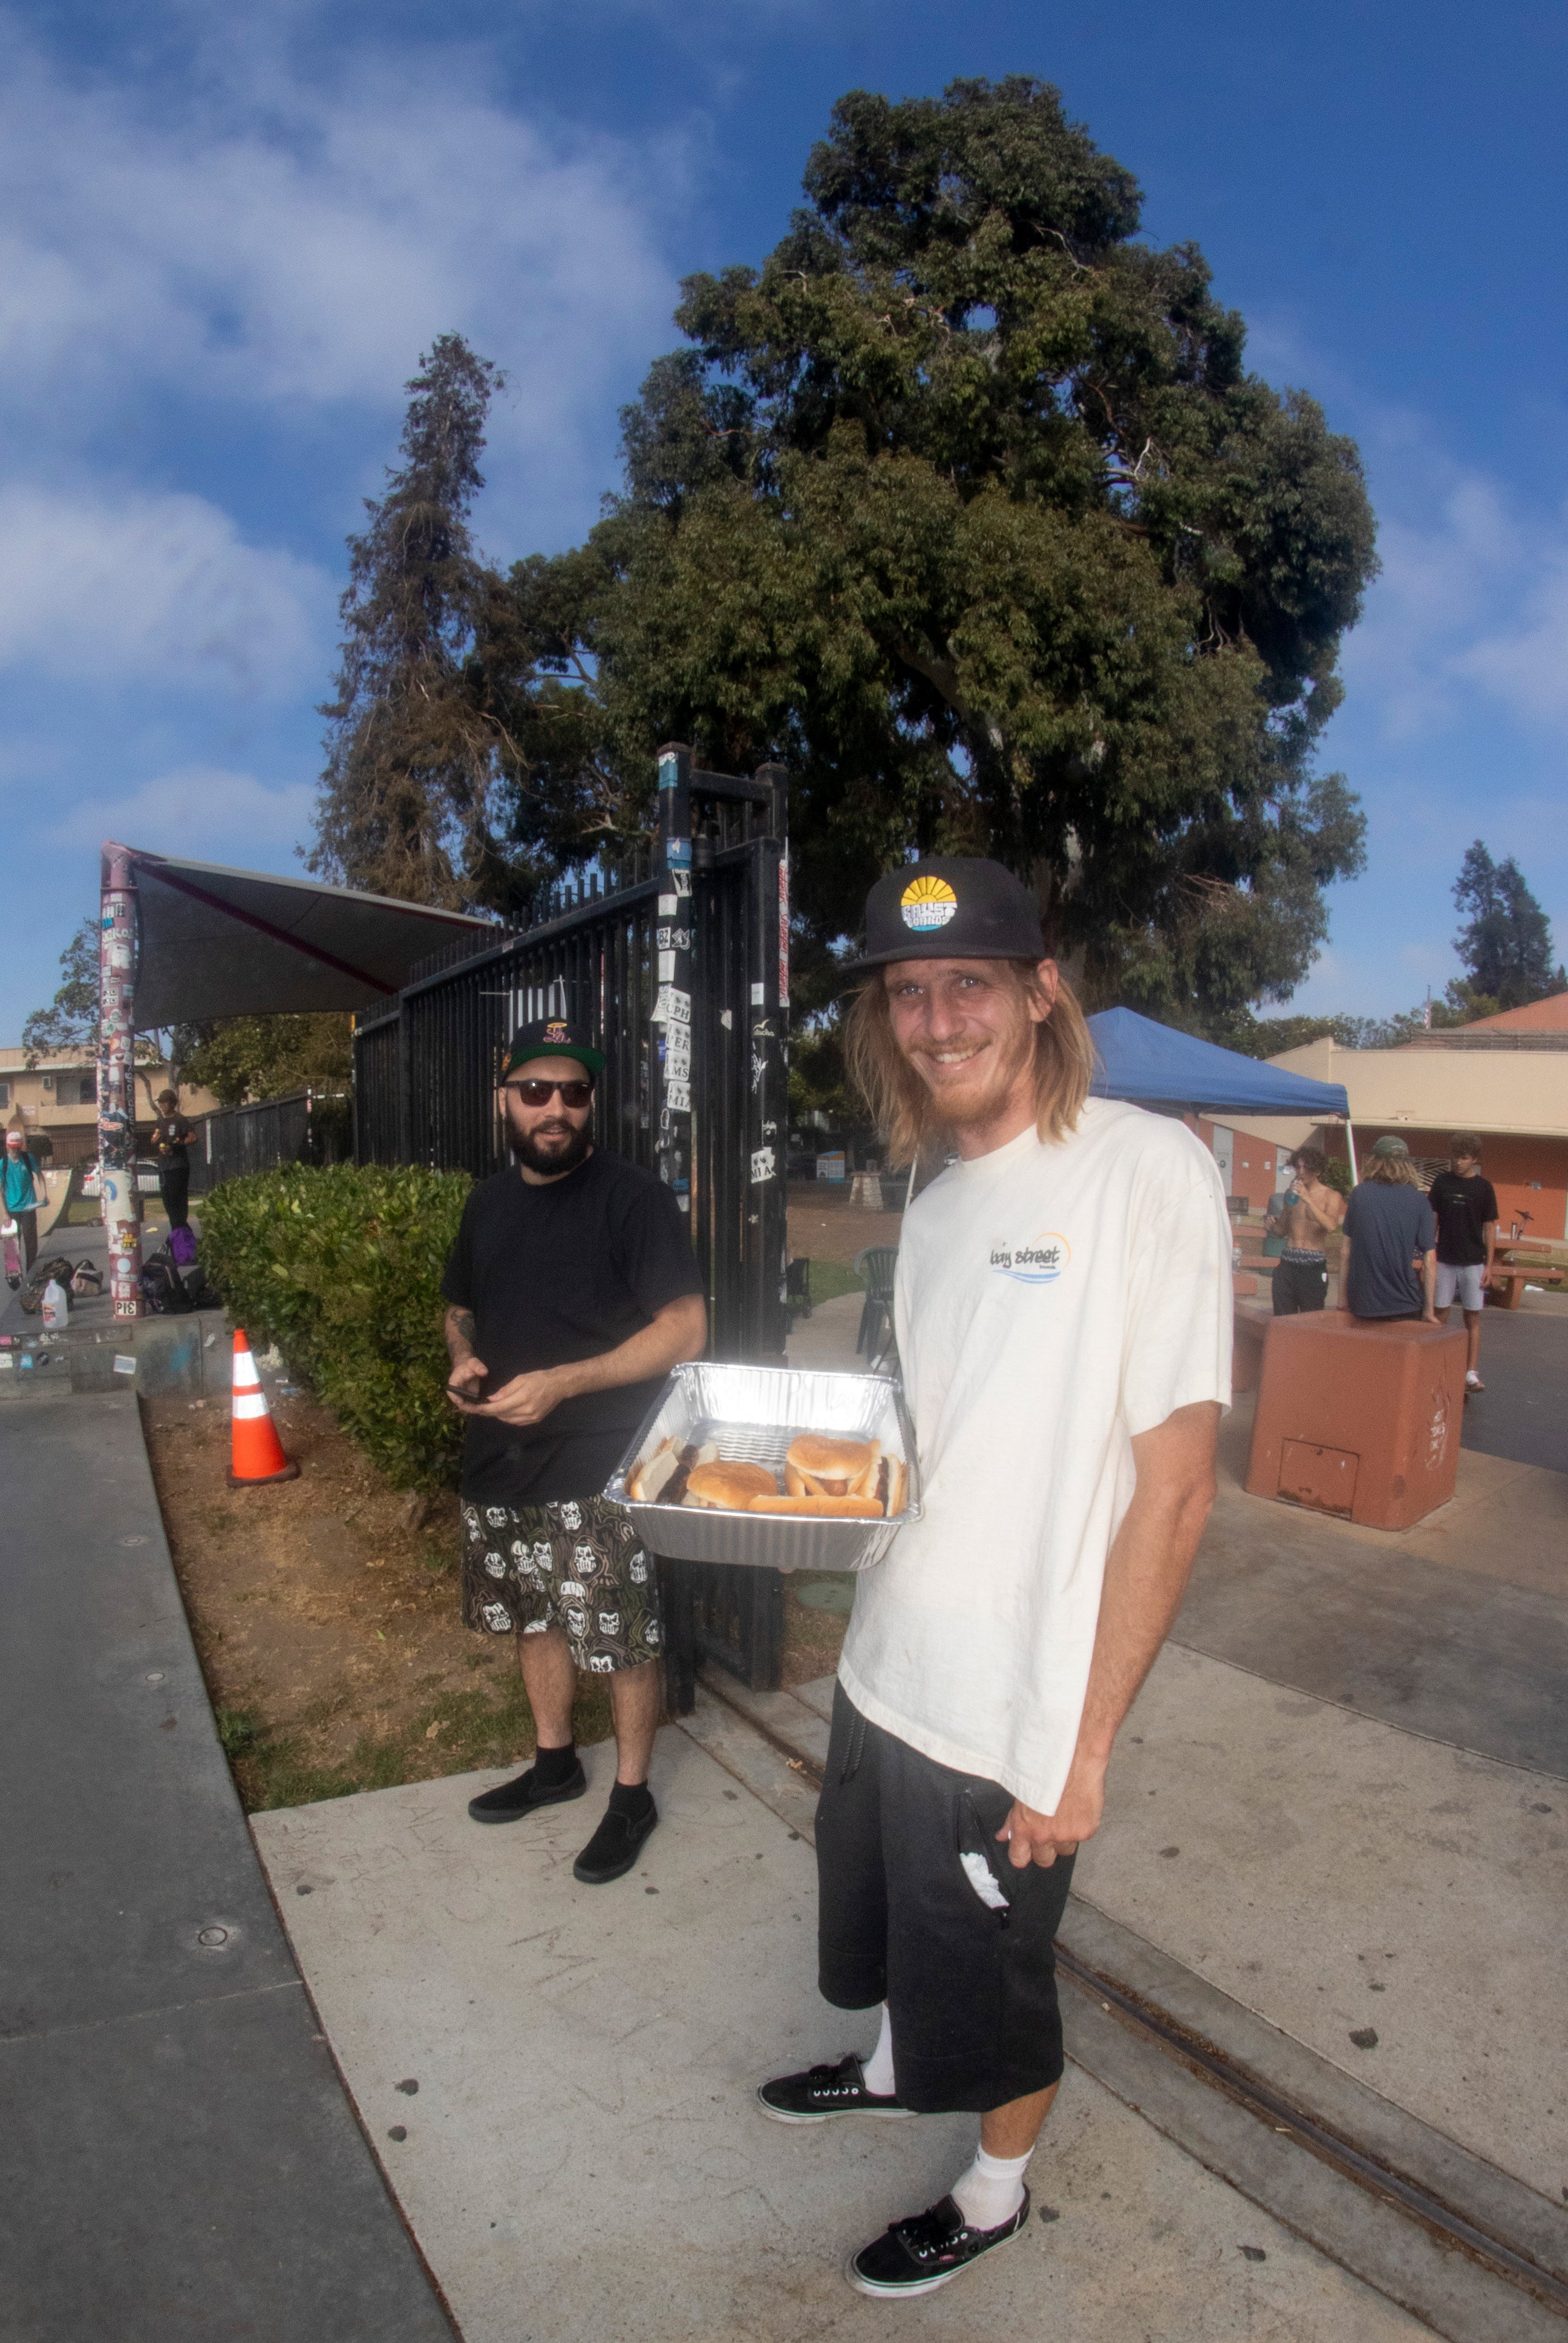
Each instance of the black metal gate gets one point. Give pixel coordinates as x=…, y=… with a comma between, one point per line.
x=676, y=962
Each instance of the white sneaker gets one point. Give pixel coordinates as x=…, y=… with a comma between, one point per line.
x=1472, y=1381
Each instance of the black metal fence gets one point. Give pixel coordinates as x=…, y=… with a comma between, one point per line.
x=676, y=965
x=309, y=1126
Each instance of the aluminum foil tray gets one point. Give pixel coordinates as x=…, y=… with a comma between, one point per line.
x=753, y=1413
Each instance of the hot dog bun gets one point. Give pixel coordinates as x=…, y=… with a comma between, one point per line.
x=817, y=1466
x=653, y=1474
x=848, y=1509
x=661, y=1478
x=729, y=1488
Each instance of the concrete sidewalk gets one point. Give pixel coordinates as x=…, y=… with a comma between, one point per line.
x=176, y=2154
x=560, y=2081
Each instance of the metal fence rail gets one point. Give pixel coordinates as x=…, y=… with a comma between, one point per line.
x=677, y=969
x=309, y=1126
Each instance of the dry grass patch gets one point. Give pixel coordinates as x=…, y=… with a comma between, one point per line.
x=326, y=1615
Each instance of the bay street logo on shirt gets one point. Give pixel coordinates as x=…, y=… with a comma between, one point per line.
x=928, y=903
x=1038, y=1261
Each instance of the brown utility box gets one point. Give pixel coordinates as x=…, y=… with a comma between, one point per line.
x=1253, y=1321
x=1358, y=1417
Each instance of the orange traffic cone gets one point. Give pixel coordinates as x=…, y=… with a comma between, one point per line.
x=258, y=1454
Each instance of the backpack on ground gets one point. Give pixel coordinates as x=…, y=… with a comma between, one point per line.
x=86, y=1278
x=31, y=1296
x=163, y=1288
x=182, y=1248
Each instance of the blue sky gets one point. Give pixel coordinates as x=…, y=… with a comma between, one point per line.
x=223, y=250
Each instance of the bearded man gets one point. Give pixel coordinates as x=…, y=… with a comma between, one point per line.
x=1063, y=1317
x=571, y=1291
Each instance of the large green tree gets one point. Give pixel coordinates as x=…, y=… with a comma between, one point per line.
x=966, y=506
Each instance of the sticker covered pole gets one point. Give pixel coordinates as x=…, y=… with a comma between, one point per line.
x=121, y=1202
x=766, y=1247
x=672, y=967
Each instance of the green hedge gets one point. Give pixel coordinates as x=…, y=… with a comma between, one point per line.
x=341, y=1268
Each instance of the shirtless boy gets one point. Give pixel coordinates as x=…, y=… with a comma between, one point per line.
x=1313, y=1211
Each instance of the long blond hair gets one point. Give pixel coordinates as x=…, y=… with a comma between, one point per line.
x=1393, y=1171
x=900, y=1104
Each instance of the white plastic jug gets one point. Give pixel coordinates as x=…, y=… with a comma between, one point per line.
x=56, y=1308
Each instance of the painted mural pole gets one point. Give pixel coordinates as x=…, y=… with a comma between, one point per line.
x=121, y=1202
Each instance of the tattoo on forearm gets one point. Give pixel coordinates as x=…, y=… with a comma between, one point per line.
x=461, y=1324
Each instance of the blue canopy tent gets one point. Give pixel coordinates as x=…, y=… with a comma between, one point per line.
x=1153, y=1065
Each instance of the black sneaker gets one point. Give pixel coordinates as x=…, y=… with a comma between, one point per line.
x=509, y=1802
x=615, y=1846
x=824, y=2091
x=916, y=2256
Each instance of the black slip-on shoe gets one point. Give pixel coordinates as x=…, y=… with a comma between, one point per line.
x=916, y=2256
x=509, y=1802
x=823, y=2091
x=614, y=1847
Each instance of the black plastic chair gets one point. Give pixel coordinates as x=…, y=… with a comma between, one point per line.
x=875, y=1269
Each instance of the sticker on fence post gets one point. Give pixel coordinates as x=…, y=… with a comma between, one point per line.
x=762, y=1165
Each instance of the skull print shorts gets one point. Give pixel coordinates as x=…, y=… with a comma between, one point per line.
x=574, y=1564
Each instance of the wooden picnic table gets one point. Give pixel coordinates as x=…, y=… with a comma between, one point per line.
x=1518, y=1265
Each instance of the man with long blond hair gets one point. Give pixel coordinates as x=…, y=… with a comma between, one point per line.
x=1063, y=1318
x=1388, y=1262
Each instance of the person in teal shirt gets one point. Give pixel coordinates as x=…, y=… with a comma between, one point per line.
x=21, y=1197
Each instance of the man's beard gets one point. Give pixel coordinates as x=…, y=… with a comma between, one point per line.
x=550, y=1162
x=983, y=1094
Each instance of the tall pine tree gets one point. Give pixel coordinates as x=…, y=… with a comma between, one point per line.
x=1505, y=943
x=405, y=805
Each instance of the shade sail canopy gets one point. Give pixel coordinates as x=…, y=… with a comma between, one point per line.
x=1152, y=1065
x=239, y=943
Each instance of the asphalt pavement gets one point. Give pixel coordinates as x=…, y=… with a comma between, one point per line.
x=177, y=2156
x=1523, y=1414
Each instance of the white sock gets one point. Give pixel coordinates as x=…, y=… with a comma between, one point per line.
x=992, y=2191
x=877, y=2069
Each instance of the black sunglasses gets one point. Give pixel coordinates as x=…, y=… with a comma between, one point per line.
x=573, y=1094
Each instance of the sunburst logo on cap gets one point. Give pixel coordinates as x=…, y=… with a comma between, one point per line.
x=928, y=903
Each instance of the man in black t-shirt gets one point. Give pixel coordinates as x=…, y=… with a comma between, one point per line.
x=1465, y=1208
x=571, y=1291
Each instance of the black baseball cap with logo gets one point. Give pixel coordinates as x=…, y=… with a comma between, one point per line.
x=552, y=1036
x=950, y=907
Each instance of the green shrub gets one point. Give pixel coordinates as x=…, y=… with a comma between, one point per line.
x=341, y=1268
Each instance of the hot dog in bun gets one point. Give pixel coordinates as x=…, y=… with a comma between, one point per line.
x=819, y=1466
x=849, y=1509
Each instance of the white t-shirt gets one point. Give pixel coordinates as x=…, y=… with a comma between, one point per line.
x=1051, y=1302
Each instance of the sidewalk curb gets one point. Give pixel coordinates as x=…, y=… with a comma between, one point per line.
x=1475, y=2254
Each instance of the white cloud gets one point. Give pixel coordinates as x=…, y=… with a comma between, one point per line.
x=1470, y=612
x=199, y=810
x=160, y=590
x=1525, y=663
x=288, y=242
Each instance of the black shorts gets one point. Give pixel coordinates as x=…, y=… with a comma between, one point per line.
x=1300, y=1285
x=574, y=1563
x=970, y=1989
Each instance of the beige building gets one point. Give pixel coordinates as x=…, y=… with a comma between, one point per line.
x=57, y=1099
x=1506, y=1082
